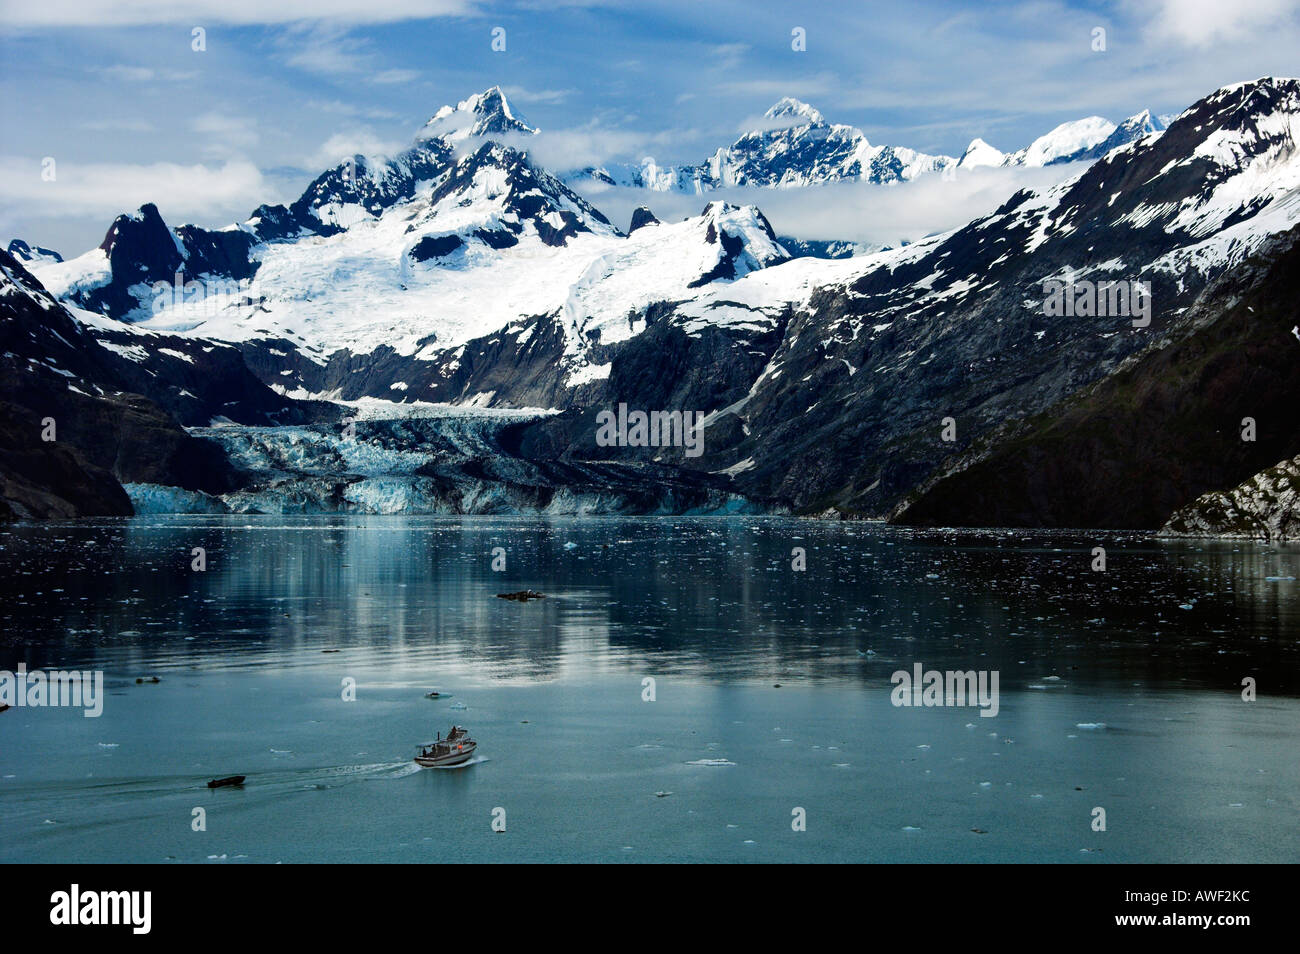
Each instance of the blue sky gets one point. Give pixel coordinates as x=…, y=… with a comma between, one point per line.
x=114, y=93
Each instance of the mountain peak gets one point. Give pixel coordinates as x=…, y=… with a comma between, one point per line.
x=484, y=114
x=1068, y=142
x=26, y=253
x=791, y=107
x=980, y=153
x=1143, y=121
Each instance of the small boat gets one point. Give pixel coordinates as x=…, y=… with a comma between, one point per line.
x=522, y=596
x=456, y=749
x=228, y=780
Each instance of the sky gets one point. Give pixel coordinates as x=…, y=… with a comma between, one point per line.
x=118, y=94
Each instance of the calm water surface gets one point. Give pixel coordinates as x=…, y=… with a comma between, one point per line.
x=1144, y=718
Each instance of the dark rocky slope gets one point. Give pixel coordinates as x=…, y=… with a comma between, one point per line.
x=1156, y=435
x=848, y=415
x=106, y=432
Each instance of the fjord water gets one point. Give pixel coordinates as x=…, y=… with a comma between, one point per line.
x=1144, y=719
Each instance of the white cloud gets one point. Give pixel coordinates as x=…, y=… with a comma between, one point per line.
x=386, y=77
x=563, y=150
x=342, y=145
x=728, y=56
x=848, y=211
x=1202, y=23
x=550, y=97
x=804, y=87
x=767, y=123
x=118, y=125
x=227, y=136
x=337, y=107
x=102, y=190
x=143, y=74
x=64, y=13
x=328, y=49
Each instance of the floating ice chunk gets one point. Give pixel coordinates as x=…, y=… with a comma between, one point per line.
x=1090, y=725
x=570, y=545
x=458, y=705
x=711, y=762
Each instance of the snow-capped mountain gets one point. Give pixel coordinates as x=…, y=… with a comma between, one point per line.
x=1081, y=140
x=416, y=255
x=28, y=254
x=482, y=280
x=797, y=147
x=486, y=114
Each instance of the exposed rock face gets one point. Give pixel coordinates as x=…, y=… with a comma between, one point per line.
x=1266, y=507
x=849, y=411
x=40, y=480
x=1152, y=437
x=32, y=253
x=641, y=217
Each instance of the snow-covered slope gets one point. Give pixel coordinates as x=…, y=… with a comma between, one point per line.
x=455, y=239
x=1080, y=140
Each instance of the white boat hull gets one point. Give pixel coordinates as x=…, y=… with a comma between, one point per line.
x=458, y=756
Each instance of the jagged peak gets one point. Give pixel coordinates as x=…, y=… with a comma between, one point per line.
x=718, y=207
x=641, y=217
x=790, y=107
x=23, y=251
x=1144, y=121
x=483, y=114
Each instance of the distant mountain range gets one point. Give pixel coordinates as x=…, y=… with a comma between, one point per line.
x=474, y=314
x=798, y=147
